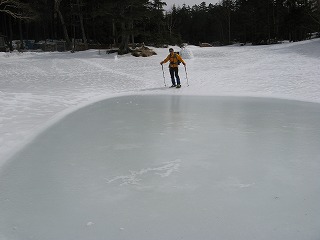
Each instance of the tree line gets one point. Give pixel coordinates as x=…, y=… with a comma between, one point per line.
x=121, y=22
x=255, y=21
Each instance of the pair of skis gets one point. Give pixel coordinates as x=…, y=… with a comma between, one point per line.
x=164, y=78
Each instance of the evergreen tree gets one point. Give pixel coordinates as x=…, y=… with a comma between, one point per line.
x=153, y=27
x=128, y=13
x=124, y=21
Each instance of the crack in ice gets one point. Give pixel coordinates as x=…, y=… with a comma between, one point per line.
x=136, y=176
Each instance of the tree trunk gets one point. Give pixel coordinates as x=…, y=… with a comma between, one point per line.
x=21, y=35
x=65, y=31
x=64, y=27
x=124, y=46
x=114, y=32
x=229, y=27
x=82, y=26
x=10, y=34
x=54, y=31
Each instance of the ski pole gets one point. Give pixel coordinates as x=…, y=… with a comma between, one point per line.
x=185, y=68
x=164, y=78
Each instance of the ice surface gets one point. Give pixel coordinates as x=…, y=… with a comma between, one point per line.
x=169, y=167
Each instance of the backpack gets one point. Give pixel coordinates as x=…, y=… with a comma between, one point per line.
x=175, y=55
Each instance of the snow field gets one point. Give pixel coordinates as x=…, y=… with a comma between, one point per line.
x=34, y=87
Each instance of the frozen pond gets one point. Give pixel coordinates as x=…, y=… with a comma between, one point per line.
x=168, y=168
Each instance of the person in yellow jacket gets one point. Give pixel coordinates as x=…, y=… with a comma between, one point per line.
x=174, y=59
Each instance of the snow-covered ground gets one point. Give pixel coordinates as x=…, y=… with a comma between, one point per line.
x=38, y=89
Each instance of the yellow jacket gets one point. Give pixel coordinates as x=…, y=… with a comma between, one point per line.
x=173, y=58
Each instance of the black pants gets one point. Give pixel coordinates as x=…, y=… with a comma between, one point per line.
x=174, y=73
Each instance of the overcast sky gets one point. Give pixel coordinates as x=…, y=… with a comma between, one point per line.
x=187, y=2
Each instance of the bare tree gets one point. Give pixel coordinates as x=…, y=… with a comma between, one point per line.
x=81, y=24
x=64, y=27
x=315, y=11
x=17, y=9
x=171, y=21
x=77, y=11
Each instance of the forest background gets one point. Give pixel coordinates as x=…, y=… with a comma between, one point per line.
x=87, y=24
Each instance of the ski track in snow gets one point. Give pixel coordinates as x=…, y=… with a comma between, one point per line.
x=36, y=87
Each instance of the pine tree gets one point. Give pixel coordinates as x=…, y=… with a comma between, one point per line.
x=127, y=13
